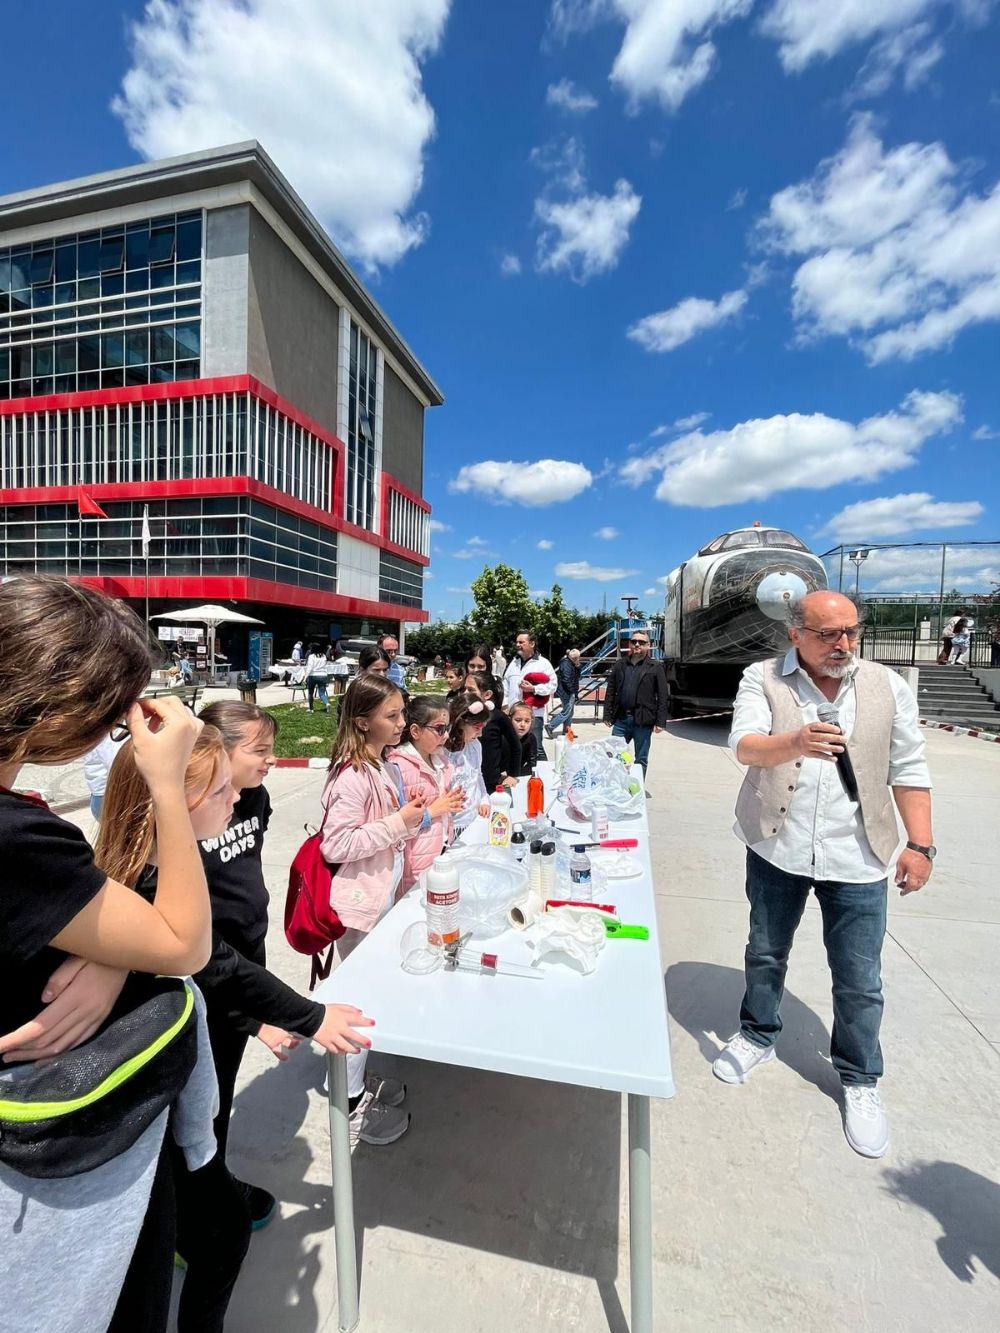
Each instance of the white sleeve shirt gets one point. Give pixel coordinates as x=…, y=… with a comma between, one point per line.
x=823, y=836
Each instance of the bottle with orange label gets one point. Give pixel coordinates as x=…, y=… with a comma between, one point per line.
x=442, y=902
x=536, y=796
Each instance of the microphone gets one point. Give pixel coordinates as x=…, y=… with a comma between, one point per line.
x=828, y=713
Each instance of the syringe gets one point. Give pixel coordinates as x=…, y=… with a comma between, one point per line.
x=467, y=960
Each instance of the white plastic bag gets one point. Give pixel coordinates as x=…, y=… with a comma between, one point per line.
x=570, y=935
x=603, y=771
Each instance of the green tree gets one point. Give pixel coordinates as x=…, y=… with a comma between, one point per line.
x=442, y=638
x=557, y=626
x=503, y=606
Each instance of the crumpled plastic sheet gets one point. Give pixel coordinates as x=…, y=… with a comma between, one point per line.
x=573, y=936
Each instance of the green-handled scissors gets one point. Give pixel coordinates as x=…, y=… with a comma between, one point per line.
x=618, y=930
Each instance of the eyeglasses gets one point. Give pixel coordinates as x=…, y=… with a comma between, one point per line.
x=852, y=633
x=120, y=732
x=438, y=729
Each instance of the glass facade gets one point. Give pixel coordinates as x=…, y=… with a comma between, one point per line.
x=215, y=535
x=213, y=435
x=400, y=581
x=359, y=474
x=101, y=309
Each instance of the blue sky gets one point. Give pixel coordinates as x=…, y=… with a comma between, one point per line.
x=682, y=263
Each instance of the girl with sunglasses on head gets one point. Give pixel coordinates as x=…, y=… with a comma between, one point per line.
x=469, y=715
x=75, y=941
x=501, y=743
x=425, y=768
x=367, y=822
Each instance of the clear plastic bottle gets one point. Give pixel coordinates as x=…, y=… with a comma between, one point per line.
x=536, y=796
x=535, y=867
x=441, y=902
x=500, y=821
x=580, y=876
x=548, y=859
x=599, y=826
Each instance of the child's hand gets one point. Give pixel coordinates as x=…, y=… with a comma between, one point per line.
x=163, y=734
x=78, y=997
x=413, y=810
x=277, y=1040
x=483, y=808
x=510, y=782
x=450, y=803
x=336, y=1033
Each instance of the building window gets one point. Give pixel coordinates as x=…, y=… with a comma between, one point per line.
x=400, y=581
x=359, y=476
x=102, y=309
x=409, y=524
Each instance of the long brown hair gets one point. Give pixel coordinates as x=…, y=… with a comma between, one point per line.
x=128, y=825
x=367, y=693
x=72, y=663
x=465, y=707
x=230, y=716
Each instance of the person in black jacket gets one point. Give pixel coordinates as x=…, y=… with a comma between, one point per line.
x=501, y=743
x=522, y=719
x=243, y=998
x=567, y=688
x=635, y=701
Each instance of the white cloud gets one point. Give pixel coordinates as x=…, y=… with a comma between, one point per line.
x=437, y=526
x=300, y=78
x=671, y=328
x=911, y=52
x=545, y=544
x=475, y=550
x=461, y=592
x=681, y=424
x=756, y=459
x=477, y=541
x=549, y=481
x=568, y=97
x=737, y=199
x=985, y=433
x=894, y=254
x=585, y=235
x=918, y=569
x=899, y=515
x=650, y=592
x=510, y=265
x=808, y=30
x=583, y=569
x=607, y=534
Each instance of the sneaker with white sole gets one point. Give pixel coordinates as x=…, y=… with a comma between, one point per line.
x=376, y=1123
x=866, y=1125
x=739, y=1056
x=388, y=1091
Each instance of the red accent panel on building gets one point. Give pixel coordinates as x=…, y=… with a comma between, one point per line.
x=389, y=483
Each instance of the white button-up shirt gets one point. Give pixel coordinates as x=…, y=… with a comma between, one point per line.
x=823, y=836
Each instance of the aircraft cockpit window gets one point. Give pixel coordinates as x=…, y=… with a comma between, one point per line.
x=778, y=537
x=750, y=537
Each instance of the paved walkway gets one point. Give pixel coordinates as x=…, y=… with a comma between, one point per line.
x=500, y=1210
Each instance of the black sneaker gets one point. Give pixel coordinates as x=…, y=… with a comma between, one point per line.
x=260, y=1204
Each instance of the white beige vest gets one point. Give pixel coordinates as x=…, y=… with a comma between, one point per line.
x=767, y=793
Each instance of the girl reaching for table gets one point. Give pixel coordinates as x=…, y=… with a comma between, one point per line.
x=469, y=715
x=425, y=768
x=367, y=821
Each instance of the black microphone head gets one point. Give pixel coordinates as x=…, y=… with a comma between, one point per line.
x=829, y=713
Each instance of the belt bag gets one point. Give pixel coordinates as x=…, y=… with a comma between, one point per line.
x=81, y=1109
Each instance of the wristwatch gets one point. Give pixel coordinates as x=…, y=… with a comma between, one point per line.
x=930, y=852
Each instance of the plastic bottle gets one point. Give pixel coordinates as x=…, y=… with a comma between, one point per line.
x=599, y=826
x=500, y=820
x=441, y=902
x=535, y=867
x=548, y=870
x=579, y=875
x=536, y=796
x=518, y=844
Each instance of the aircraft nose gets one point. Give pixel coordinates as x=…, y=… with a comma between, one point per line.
x=777, y=591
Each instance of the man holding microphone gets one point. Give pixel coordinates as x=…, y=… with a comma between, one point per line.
x=814, y=812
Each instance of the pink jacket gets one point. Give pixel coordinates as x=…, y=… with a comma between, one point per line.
x=362, y=830
x=418, y=775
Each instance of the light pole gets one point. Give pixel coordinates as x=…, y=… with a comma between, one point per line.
x=857, y=559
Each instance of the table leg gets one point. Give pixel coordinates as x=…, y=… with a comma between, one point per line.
x=640, y=1213
x=343, y=1197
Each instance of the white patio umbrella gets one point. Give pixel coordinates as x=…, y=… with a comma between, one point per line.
x=211, y=616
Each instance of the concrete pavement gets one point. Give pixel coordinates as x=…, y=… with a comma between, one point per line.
x=501, y=1208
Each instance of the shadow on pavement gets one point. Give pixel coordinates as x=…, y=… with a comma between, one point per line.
x=966, y=1206
x=713, y=731
x=705, y=998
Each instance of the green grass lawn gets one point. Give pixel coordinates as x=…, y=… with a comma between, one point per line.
x=304, y=735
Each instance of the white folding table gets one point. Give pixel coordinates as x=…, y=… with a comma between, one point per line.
x=607, y=1030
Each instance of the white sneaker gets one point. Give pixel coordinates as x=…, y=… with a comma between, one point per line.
x=866, y=1125
x=739, y=1057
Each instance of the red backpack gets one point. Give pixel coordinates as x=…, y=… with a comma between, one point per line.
x=311, y=924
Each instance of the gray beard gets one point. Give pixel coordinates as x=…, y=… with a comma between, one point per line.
x=838, y=670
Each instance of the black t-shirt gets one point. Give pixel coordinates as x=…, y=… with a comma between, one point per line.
x=235, y=875
x=48, y=876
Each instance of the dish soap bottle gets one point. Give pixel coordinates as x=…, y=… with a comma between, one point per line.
x=500, y=820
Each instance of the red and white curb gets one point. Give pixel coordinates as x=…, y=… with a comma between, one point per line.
x=956, y=730
x=303, y=763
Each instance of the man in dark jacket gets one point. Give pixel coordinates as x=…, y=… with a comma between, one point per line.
x=567, y=688
x=635, y=701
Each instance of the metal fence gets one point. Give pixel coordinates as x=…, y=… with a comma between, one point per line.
x=912, y=647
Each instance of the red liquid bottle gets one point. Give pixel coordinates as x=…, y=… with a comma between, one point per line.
x=536, y=796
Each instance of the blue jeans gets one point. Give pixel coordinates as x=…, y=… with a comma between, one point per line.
x=563, y=716
x=853, y=931
x=316, y=685
x=536, y=731
x=625, y=726
x=96, y=802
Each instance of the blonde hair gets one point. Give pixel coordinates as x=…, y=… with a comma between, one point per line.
x=367, y=694
x=517, y=707
x=230, y=716
x=128, y=825
x=72, y=663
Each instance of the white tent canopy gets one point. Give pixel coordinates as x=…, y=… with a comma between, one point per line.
x=211, y=616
